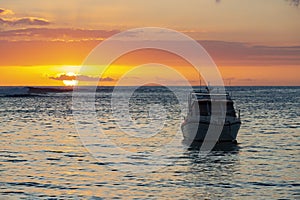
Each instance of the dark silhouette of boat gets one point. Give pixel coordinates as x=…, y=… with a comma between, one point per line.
x=207, y=109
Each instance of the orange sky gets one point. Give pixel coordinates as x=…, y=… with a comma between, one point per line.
x=42, y=41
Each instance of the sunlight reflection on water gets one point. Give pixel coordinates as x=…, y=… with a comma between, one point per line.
x=42, y=155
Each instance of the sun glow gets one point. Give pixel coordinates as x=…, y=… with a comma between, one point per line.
x=70, y=82
x=70, y=74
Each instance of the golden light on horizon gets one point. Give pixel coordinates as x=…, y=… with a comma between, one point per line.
x=72, y=81
x=239, y=75
x=70, y=74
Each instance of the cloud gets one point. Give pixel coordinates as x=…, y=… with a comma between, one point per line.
x=63, y=77
x=292, y=2
x=21, y=21
x=56, y=34
x=6, y=12
x=228, y=80
x=24, y=21
x=243, y=54
x=295, y=2
x=49, y=52
x=107, y=79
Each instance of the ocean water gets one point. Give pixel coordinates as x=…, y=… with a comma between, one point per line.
x=42, y=155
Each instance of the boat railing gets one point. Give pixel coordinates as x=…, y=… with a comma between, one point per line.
x=206, y=96
x=202, y=95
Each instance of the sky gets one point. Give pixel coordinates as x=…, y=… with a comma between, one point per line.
x=253, y=42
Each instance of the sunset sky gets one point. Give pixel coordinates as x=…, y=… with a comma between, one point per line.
x=253, y=42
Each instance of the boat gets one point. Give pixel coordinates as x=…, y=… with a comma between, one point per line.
x=206, y=110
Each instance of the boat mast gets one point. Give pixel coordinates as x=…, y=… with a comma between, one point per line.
x=200, y=80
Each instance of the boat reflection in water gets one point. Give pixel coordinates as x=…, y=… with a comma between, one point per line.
x=225, y=147
x=210, y=110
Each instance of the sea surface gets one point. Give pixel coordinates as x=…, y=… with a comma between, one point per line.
x=42, y=155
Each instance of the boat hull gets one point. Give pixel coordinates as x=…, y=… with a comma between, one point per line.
x=197, y=131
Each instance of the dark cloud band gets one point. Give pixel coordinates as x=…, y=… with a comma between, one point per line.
x=63, y=77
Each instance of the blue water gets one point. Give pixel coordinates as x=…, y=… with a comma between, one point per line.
x=42, y=155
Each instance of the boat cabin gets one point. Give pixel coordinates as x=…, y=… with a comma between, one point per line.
x=201, y=104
